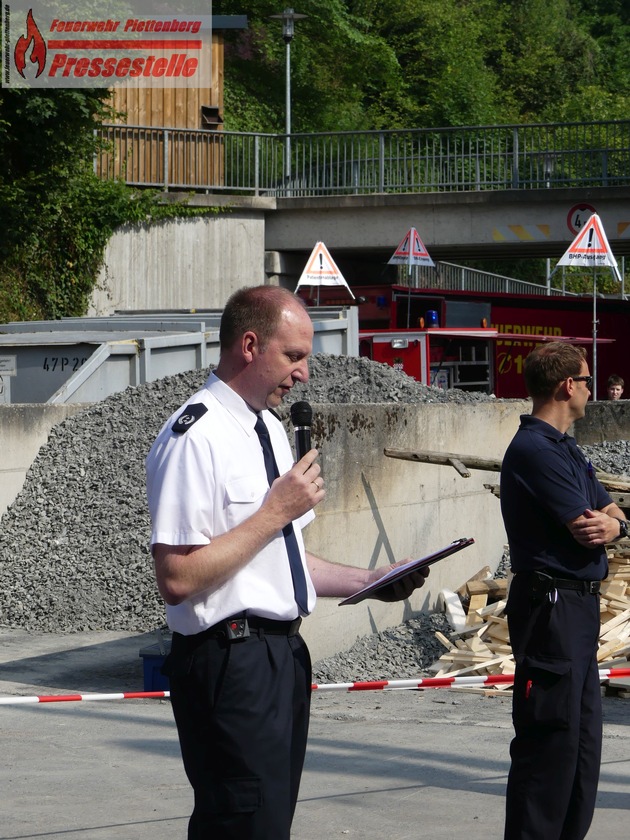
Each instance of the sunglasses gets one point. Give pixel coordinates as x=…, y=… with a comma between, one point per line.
x=587, y=379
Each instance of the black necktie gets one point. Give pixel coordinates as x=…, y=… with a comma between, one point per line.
x=295, y=561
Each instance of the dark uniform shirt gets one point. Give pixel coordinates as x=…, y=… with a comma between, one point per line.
x=545, y=483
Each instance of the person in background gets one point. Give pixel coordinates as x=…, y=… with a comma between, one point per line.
x=228, y=507
x=558, y=519
x=614, y=387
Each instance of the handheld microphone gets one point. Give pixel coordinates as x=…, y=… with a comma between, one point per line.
x=302, y=418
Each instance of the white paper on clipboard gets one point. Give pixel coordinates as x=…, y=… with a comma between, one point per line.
x=407, y=569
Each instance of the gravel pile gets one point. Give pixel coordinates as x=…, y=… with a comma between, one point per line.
x=74, y=545
x=397, y=653
x=611, y=456
x=348, y=379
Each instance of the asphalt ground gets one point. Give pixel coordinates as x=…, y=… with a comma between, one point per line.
x=398, y=765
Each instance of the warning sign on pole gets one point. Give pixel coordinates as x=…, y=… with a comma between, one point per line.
x=321, y=270
x=411, y=251
x=590, y=248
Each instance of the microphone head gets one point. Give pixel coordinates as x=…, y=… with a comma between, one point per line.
x=301, y=414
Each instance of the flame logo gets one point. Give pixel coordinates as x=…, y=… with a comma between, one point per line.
x=38, y=52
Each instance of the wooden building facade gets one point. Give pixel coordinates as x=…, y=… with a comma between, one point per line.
x=169, y=134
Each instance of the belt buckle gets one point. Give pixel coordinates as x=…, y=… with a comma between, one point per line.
x=593, y=587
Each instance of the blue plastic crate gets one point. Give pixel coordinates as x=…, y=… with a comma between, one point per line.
x=152, y=661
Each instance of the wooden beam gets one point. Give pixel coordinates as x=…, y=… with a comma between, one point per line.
x=427, y=456
x=617, y=485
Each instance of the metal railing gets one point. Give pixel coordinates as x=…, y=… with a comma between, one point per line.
x=450, y=276
x=187, y=159
x=532, y=156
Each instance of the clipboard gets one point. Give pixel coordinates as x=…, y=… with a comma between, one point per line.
x=407, y=569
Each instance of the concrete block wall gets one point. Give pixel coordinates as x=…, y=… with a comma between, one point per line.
x=605, y=420
x=24, y=429
x=379, y=509
x=181, y=264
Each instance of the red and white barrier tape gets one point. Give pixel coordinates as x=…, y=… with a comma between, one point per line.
x=375, y=685
x=449, y=682
x=68, y=698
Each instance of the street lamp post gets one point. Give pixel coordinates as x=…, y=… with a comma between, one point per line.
x=288, y=18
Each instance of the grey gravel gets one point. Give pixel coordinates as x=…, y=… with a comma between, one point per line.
x=74, y=552
x=611, y=456
x=396, y=653
x=348, y=379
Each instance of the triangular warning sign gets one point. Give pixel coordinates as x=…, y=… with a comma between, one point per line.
x=321, y=270
x=590, y=247
x=411, y=251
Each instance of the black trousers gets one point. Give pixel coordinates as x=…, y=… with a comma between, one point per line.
x=557, y=714
x=242, y=712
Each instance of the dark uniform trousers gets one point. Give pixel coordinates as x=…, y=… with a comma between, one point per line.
x=242, y=712
x=557, y=713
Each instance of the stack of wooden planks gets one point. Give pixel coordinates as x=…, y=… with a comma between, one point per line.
x=614, y=635
x=480, y=644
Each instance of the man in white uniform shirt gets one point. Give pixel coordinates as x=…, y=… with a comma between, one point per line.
x=240, y=673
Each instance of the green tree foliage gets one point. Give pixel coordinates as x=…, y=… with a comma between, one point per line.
x=360, y=64
x=547, y=60
x=608, y=21
x=45, y=140
x=344, y=75
x=57, y=216
x=445, y=52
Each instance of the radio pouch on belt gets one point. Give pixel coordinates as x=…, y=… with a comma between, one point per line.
x=543, y=586
x=236, y=629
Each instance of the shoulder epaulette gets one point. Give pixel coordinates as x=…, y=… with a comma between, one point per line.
x=188, y=417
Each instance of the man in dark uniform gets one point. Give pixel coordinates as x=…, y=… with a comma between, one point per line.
x=228, y=506
x=558, y=518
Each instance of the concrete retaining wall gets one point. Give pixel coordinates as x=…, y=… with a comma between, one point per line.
x=606, y=420
x=23, y=430
x=191, y=263
x=380, y=509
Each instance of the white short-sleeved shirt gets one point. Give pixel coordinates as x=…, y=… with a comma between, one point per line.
x=204, y=481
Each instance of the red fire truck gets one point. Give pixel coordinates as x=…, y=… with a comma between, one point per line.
x=478, y=340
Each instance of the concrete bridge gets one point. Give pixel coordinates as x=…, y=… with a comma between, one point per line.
x=362, y=231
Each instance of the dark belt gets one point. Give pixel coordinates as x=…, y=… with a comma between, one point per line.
x=240, y=627
x=273, y=627
x=543, y=581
